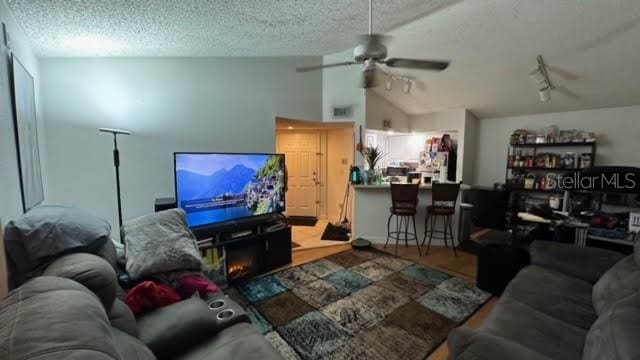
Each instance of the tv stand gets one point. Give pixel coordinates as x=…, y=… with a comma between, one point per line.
x=251, y=246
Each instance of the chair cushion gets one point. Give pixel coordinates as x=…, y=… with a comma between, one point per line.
x=535, y=329
x=50, y=317
x=403, y=211
x=46, y=232
x=615, y=334
x=160, y=242
x=622, y=280
x=441, y=210
x=555, y=294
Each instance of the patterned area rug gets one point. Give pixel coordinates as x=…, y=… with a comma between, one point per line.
x=358, y=305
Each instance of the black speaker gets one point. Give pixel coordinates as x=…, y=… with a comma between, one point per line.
x=164, y=204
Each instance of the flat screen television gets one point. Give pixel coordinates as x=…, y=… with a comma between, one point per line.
x=213, y=188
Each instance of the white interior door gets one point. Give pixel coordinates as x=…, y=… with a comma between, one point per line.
x=301, y=153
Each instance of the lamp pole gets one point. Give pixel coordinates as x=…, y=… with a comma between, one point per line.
x=116, y=165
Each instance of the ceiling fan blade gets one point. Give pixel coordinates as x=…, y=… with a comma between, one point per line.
x=318, y=67
x=417, y=64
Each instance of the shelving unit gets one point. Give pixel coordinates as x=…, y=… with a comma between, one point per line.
x=511, y=151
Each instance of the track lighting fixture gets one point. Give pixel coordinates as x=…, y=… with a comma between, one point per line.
x=407, y=82
x=541, y=77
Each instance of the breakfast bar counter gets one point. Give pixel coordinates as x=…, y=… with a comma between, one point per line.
x=372, y=205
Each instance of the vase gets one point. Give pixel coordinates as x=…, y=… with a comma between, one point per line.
x=371, y=177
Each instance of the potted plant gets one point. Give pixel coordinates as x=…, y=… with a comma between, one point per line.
x=372, y=154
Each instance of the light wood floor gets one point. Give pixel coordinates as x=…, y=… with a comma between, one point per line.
x=463, y=265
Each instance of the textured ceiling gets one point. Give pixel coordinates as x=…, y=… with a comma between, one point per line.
x=65, y=28
x=592, y=49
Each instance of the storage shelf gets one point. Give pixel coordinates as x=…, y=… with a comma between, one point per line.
x=561, y=144
x=557, y=191
x=540, y=168
x=628, y=241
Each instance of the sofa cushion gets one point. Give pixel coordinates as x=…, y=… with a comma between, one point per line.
x=535, y=330
x=121, y=317
x=50, y=317
x=615, y=334
x=160, y=242
x=622, y=280
x=241, y=341
x=89, y=270
x=555, y=294
x=46, y=232
x=172, y=329
x=131, y=348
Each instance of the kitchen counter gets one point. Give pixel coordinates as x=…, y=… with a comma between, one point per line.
x=371, y=212
x=388, y=186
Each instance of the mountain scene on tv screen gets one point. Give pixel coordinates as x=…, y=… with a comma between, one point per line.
x=261, y=189
x=264, y=193
x=223, y=181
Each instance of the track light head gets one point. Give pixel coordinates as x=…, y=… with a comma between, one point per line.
x=388, y=85
x=407, y=87
x=545, y=94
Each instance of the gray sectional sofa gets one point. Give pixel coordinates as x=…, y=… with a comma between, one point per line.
x=73, y=312
x=570, y=303
x=66, y=302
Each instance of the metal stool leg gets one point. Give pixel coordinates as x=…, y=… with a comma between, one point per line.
x=406, y=231
x=416, y=235
x=433, y=225
x=388, y=231
x=453, y=245
x=444, y=233
x=398, y=226
x=426, y=229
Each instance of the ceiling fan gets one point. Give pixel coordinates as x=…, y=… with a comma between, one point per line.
x=372, y=51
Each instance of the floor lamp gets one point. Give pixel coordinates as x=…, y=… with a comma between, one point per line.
x=116, y=165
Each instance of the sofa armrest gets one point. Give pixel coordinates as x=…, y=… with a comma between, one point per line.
x=467, y=344
x=587, y=263
x=89, y=270
x=171, y=330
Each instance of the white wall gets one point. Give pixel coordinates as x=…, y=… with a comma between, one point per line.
x=170, y=104
x=379, y=109
x=340, y=152
x=340, y=87
x=617, y=130
x=10, y=196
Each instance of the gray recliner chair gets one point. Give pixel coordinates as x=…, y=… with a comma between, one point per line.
x=570, y=303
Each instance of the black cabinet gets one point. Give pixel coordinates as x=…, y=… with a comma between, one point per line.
x=277, y=249
x=251, y=247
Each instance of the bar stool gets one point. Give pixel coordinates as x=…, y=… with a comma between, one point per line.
x=404, y=205
x=443, y=204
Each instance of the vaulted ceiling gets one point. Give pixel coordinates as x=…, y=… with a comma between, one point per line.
x=592, y=47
